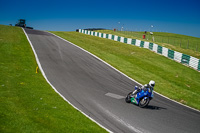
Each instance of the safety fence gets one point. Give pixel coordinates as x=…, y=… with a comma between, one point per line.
x=184, y=42
x=177, y=56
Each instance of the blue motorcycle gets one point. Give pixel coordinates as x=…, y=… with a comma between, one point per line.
x=142, y=98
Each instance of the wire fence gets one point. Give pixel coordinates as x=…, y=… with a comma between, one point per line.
x=185, y=42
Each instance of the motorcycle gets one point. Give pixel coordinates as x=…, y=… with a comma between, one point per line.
x=141, y=98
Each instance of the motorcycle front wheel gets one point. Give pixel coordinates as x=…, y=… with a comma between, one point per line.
x=144, y=102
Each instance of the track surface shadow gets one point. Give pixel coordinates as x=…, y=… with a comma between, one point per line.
x=154, y=107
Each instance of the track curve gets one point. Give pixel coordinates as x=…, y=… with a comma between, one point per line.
x=98, y=90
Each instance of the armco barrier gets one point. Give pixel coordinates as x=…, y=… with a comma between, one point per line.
x=142, y=44
x=159, y=50
x=151, y=46
x=177, y=56
x=155, y=47
x=133, y=41
x=171, y=54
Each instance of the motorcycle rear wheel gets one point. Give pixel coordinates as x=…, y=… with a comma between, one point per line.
x=128, y=97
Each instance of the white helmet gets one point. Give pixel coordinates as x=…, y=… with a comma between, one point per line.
x=152, y=83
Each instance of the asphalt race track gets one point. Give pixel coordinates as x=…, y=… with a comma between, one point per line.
x=98, y=90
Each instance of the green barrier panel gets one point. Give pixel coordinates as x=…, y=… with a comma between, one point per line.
x=151, y=46
x=113, y=37
x=97, y=33
x=199, y=66
x=125, y=40
x=133, y=41
x=159, y=50
x=185, y=59
x=142, y=44
x=102, y=35
x=93, y=33
x=107, y=36
x=119, y=38
x=171, y=54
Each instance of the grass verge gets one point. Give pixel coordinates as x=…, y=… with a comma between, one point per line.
x=181, y=43
x=173, y=79
x=27, y=102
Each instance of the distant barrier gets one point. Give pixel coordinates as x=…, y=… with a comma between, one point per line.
x=176, y=40
x=177, y=56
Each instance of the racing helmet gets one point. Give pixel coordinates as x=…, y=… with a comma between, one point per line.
x=152, y=83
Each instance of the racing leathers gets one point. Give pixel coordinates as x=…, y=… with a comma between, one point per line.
x=145, y=87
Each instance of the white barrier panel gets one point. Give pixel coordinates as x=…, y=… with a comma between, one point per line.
x=146, y=45
x=95, y=33
x=129, y=40
x=79, y=30
x=109, y=36
x=115, y=38
x=104, y=35
x=177, y=56
x=194, y=62
x=100, y=34
x=89, y=32
x=165, y=51
x=85, y=31
x=138, y=43
x=122, y=39
x=155, y=47
x=82, y=31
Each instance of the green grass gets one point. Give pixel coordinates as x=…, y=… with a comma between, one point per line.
x=172, y=41
x=173, y=79
x=27, y=102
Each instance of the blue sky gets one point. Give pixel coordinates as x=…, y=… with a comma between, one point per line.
x=175, y=16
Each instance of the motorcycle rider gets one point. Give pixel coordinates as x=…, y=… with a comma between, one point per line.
x=150, y=85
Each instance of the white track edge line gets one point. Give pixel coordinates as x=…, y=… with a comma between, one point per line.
x=121, y=72
x=40, y=67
